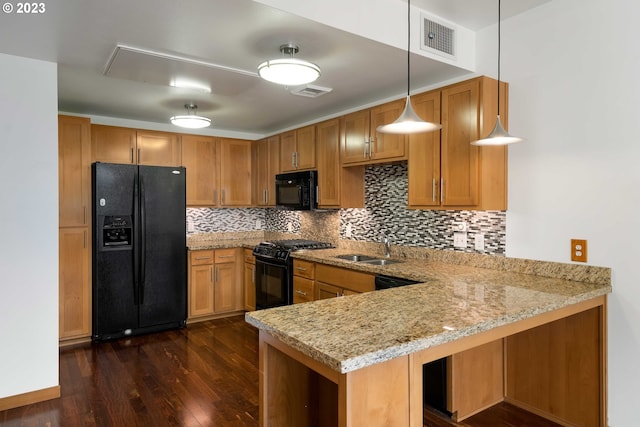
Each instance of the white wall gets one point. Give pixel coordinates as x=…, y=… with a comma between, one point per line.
x=574, y=71
x=29, y=218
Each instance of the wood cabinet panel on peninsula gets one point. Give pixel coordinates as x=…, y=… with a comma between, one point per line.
x=112, y=144
x=445, y=170
x=333, y=281
x=215, y=283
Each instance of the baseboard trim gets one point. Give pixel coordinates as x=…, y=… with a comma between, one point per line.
x=29, y=398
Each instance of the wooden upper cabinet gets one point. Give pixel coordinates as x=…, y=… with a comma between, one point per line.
x=235, y=172
x=424, y=153
x=298, y=149
x=445, y=170
x=266, y=164
x=472, y=176
x=74, y=171
x=200, y=158
x=328, y=145
x=360, y=141
x=158, y=148
x=112, y=144
x=387, y=146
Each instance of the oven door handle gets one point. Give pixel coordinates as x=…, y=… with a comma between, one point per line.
x=266, y=261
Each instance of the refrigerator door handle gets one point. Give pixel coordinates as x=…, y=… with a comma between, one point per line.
x=136, y=241
x=143, y=237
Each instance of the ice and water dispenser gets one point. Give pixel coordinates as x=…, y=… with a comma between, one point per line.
x=117, y=232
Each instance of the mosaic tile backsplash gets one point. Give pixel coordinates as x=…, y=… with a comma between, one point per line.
x=385, y=215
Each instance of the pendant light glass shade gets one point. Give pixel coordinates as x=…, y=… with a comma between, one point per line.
x=409, y=121
x=498, y=136
x=191, y=120
x=289, y=71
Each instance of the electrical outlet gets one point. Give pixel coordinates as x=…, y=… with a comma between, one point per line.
x=349, y=231
x=258, y=224
x=579, y=250
x=479, y=242
x=460, y=239
x=290, y=227
x=460, y=226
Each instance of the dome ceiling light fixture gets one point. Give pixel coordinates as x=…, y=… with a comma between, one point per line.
x=498, y=136
x=409, y=121
x=191, y=120
x=289, y=71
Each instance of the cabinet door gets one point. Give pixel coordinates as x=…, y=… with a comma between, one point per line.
x=328, y=146
x=306, y=147
x=200, y=290
x=235, y=172
x=424, y=154
x=354, y=137
x=288, y=151
x=158, y=148
x=459, y=159
x=75, y=283
x=387, y=146
x=302, y=290
x=225, y=293
x=200, y=157
x=112, y=144
x=74, y=171
x=266, y=166
x=249, y=286
x=325, y=291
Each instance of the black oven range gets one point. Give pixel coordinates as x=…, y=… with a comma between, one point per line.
x=274, y=270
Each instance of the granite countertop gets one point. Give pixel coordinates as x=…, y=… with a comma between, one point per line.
x=222, y=244
x=455, y=301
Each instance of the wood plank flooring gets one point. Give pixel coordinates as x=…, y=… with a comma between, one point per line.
x=203, y=375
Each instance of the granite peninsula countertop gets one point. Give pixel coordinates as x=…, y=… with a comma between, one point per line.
x=454, y=301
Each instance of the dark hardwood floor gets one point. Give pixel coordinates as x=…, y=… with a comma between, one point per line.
x=203, y=375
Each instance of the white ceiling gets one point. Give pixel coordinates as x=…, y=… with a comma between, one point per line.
x=81, y=35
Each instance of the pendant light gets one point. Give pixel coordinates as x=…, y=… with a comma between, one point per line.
x=289, y=71
x=409, y=121
x=498, y=136
x=191, y=120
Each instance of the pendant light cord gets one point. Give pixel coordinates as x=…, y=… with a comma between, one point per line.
x=499, y=57
x=408, y=46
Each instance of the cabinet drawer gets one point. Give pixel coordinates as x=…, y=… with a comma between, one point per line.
x=348, y=279
x=302, y=290
x=225, y=255
x=248, y=256
x=201, y=257
x=304, y=268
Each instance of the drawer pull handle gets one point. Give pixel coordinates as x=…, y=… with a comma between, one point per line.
x=200, y=258
x=301, y=293
x=226, y=256
x=301, y=268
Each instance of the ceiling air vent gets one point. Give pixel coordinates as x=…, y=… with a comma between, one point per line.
x=437, y=38
x=311, y=91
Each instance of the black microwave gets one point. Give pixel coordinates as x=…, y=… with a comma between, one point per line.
x=297, y=191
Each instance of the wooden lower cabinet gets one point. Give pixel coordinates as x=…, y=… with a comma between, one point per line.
x=249, y=280
x=74, y=283
x=215, y=283
x=303, y=281
x=331, y=282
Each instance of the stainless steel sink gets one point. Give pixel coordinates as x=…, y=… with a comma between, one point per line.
x=356, y=257
x=382, y=261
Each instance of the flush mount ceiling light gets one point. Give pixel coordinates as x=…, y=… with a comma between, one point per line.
x=409, y=121
x=289, y=71
x=191, y=120
x=498, y=136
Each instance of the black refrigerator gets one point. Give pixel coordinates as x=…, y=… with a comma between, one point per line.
x=139, y=249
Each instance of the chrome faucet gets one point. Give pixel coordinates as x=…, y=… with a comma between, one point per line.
x=387, y=248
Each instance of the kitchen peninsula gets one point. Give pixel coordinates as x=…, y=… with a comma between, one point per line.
x=535, y=341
